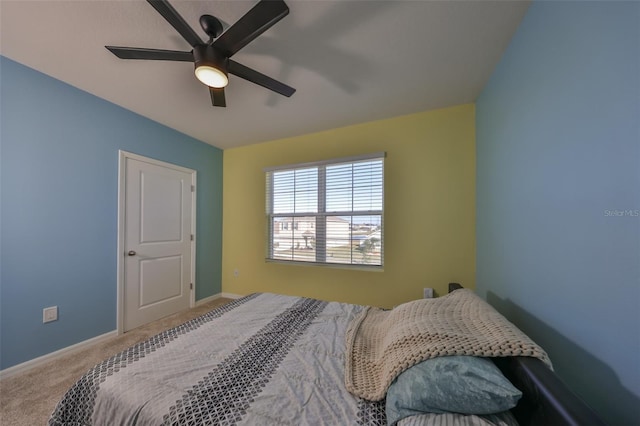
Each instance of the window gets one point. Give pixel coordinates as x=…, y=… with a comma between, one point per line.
x=328, y=213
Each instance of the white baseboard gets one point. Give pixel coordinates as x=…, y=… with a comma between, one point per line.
x=27, y=365
x=218, y=296
x=231, y=295
x=32, y=363
x=207, y=300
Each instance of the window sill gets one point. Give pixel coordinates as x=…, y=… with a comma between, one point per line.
x=357, y=267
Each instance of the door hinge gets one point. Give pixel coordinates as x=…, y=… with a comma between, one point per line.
x=193, y=188
x=191, y=286
x=191, y=237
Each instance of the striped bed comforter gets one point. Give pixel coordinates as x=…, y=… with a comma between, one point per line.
x=265, y=359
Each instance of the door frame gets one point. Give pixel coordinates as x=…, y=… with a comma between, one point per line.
x=123, y=156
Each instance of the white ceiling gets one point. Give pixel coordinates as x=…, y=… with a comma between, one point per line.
x=350, y=61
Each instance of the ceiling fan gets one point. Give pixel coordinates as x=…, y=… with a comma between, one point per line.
x=212, y=58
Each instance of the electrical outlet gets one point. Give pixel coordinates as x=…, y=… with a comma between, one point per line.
x=50, y=314
x=427, y=293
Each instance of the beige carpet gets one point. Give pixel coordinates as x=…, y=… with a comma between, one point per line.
x=28, y=399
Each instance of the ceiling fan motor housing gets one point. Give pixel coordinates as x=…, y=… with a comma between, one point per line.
x=207, y=55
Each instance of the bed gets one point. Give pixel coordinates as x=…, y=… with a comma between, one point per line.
x=269, y=359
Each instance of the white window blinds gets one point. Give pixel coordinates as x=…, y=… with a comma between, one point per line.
x=327, y=212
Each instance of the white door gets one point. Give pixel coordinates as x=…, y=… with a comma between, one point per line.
x=157, y=255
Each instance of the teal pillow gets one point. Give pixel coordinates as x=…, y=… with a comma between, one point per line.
x=450, y=384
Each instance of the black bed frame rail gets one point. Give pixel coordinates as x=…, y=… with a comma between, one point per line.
x=546, y=400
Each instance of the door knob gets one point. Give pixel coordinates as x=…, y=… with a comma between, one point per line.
x=131, y=253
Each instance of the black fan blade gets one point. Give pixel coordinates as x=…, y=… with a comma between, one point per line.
x=256, y=21
x=217, y=97
x=171, y=15
x=152, y=54
x=260, y=79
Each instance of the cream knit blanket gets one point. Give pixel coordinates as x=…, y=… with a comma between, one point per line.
x=382, y=344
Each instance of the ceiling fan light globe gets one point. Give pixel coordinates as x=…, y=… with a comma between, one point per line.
x=211, y=76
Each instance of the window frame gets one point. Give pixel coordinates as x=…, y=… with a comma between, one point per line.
x=320, y=225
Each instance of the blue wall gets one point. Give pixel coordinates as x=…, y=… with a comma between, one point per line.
x=59, y=176
x=558, y=190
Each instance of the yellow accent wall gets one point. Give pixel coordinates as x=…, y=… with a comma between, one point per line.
x=429, y=221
